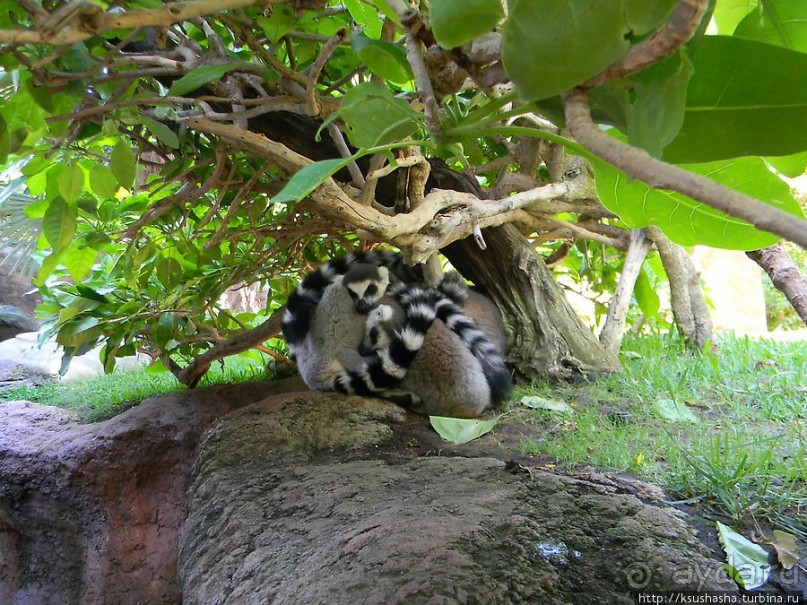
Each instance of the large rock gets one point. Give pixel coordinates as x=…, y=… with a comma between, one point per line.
x=18, y=299
x=314, y=499
x=221, y=495
x=91, y=514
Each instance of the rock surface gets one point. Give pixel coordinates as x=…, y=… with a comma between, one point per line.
x=313, y=498
x=23, y=361
x=18, y=298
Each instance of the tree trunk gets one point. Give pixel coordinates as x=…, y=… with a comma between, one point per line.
x=545, y=336
x=686, y=295
x=785, y=276
x=614, y=328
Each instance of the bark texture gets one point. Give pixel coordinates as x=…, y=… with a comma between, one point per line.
x=545, y=335
x=686, y=295
x=785, y=276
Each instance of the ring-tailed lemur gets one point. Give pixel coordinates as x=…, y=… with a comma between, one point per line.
x=384, y=322
x=463, y=375
x=303, y=302
x=329, y=357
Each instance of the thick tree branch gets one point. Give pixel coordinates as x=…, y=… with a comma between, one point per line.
x=614, y=328
x=673, y=34
x=88, y=19
x=441, y=218
x=785, y=276
x=638, y=164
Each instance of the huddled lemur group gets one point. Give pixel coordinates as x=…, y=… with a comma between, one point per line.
x=366, y=323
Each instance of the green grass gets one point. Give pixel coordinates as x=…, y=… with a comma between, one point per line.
x=107, y=396
x=744, y=455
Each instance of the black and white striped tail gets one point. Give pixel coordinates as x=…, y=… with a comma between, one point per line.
x=386, y=366
x=449, y=311
x=302, y=303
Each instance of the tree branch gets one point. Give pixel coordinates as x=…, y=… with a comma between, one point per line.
x=614, y=328
x=638, y=164
x=91, y=20
x=785, y=276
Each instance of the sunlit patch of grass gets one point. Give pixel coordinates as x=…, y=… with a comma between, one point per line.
x=744, y=456
x=107, y=396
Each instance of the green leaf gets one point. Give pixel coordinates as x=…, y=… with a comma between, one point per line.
x=164, y=134
x=59, y=224
x=123, y=164
x=455, y=23
x=656, y=112
x=460, y=430
x=279, y=23
x=728, y=13
x=552, y=405
x=790, y=165
x=688, y=222
x=196, y=78
x=374, y=117
x=79, y=262
x=307, y=179
x=672, y=411
x=71, y=183
x=163, y=330
x=366, y=16
x=382, y=58
x=551, y=46
x=103, y=182
x=169, y=273
x=744, y=98
x=646, y=295
x=747, y=562
x=643, y=16
x=779, y=22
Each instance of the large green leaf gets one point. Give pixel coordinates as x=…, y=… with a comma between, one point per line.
x=123, y=164
x=461, y=430
x=551, y=46
x=71, y=183
x=728, y=13
x=382, y=58
x=374, y=117
x=59, y=224
x=744, y=98
x=103, y=182
x=688, y=222
x=779, y=22
x=455, y=23
x=366, y=16
x=307, y=179
x=279, y=23
x=747, y=563
x=657, y=104
x=790, y=165
x=196, y=78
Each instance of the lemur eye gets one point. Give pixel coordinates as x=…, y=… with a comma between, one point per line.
x=371, y=289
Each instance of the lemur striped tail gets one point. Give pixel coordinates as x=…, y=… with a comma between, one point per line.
x=387, y=365
x=449, y=311
x=302, y=303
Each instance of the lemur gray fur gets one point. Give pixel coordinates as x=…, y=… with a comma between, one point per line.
x=384, y=322
x=304, y=301
x=328, y=354
x=329, y=357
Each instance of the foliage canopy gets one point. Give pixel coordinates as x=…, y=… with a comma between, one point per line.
x=165, y=154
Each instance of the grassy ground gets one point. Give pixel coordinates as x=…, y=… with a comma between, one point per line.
x=725, y=430
x=107, y=396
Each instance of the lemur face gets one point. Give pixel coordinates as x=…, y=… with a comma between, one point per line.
x=366, y=284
